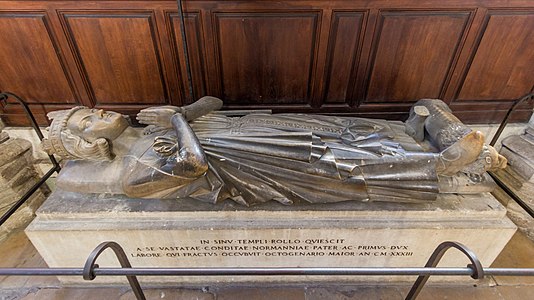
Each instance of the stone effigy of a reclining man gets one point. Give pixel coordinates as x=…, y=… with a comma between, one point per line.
x=196, y=152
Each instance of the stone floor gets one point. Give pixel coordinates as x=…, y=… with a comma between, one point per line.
x=17, y=251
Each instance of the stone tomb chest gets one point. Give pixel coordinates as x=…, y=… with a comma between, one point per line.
x=186, y=233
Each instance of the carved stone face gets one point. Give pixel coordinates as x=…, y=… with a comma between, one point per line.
x=91, y=124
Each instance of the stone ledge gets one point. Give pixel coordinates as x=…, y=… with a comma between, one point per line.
x=69, y=205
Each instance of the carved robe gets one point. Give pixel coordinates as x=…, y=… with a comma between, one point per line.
x=293, y=158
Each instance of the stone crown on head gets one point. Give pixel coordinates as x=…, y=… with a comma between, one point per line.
x=62, y=142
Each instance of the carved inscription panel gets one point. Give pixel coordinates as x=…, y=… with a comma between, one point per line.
x=274, y=247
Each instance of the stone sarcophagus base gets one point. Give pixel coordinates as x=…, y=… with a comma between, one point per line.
x=185, y=233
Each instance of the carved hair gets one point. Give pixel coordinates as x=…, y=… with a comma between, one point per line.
x=63, y=142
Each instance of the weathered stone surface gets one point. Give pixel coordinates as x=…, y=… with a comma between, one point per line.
x=74, y=294
x=22, y=216
x=185, y=234
x=517, y=254
x=17, y=176
x=18, y=252
x=13, y=149
x=463, y=293
x=519, y=176
x=518, y=164
x=353, y=293
x=4, y=136
x=520, y=156
x=525, y=191
x=522, y=219
x=263, y=294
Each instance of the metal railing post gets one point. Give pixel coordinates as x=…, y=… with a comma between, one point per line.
x=89, y=268
x=476, y=266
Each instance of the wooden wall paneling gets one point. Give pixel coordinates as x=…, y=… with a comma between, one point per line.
x=464, y=58
x=32, y=66
x=29, y=58
x=13, y=114
x=119, y=56
x=213, y=81
x=343, y=58
x=359, y=80
x=319, y=65
x=195, y=48
x=502, y=66
x=484, y=112
x=413, y=54
x=266, y=57
x=290, y=56
x=169, y=57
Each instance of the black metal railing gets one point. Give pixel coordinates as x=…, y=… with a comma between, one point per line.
x=55, y=165
x=91, y=270
x=500, y=183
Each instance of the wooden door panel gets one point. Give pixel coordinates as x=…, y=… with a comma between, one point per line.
x=266, y=58
x=345, y=40
x=31, y=67
x=413, y=54
x=503, y=65
x=119, y=56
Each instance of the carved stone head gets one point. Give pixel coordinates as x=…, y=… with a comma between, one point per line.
x=83, y=133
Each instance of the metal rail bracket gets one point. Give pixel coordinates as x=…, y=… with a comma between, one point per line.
x=476, y=266
x=89, y=268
